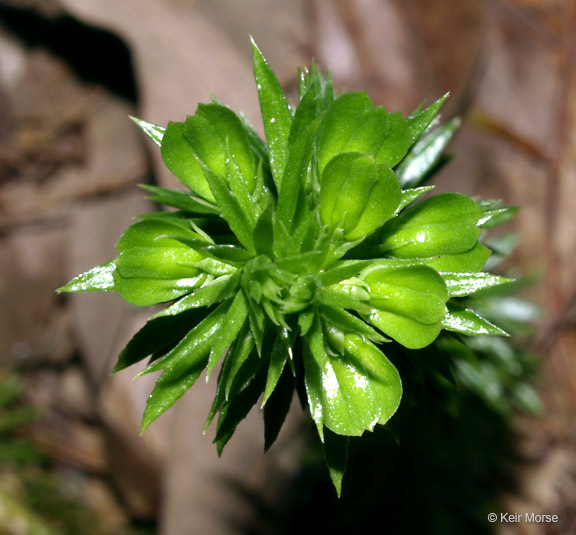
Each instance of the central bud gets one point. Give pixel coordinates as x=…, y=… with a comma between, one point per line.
x=279, y=291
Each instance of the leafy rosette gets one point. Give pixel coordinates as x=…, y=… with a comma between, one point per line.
x=288, y=265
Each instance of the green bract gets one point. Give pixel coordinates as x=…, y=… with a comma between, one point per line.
x=290, y=264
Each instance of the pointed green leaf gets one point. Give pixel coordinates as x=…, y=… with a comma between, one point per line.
x=276, y=114
x=229, y=330
x=231, y=210
x=236, y=372
x=277, y=407
x=462, y=284
x=278, y=359
x=466, y=321
x=209, y=294
x=336, y=457
x=182, y=366
x=419, y=121
x=494, y=217
x=263, y=234
x=181, y=200
x=410, y=195
x=156, y=335
x=153, y=131
x=97, y=279
x=425, y=155
x=302, y=134
x=237, y=408
x=340, y=271
x=349, y=323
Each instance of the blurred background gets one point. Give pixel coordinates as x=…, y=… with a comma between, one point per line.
x=72, y=71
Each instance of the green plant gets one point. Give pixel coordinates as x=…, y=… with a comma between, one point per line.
x=296, y=262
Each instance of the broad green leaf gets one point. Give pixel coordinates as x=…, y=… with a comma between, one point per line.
x=468, y=261
x=155, y=234
x=357, y=194
x=233, y=323
x=234, y=140
x=425, y=155
x=153, y=131
x=442, y=224
x=354, y=124
x=181, y=200
x=97, y=279
x=466, y=321
x=352, y=393
x=336, y=127
x=409, y=303
x=149, y=275
x=336, y=457
x=419, y=121
x=276, y=114
x=180, y=158
x=462, y=284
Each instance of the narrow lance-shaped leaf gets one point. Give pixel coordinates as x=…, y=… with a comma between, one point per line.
x=276, y=113
x=462, y=284
x=418, y=122
x=336, y=457
x=182, y=366
x=228, y=331
x=153, y=131
x=97, y=279
x=423, y=157
x=466, y=321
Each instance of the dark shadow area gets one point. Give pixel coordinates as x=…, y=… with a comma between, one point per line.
x=437, y=468
x=95, y=55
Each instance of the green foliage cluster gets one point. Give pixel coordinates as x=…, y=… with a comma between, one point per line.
x=292, y=264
